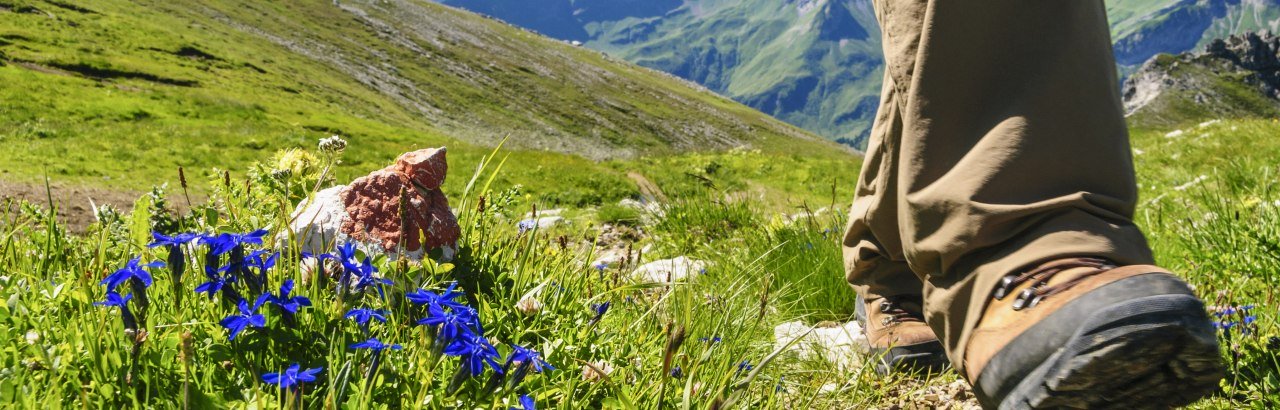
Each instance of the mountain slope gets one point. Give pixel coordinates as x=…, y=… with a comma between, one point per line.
x=813, y=63
x=118, y=92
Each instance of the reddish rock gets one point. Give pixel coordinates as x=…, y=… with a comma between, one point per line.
x=426, y=167
x=373, y=205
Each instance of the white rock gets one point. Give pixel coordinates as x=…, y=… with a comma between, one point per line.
x=1208, y=123
x=668, y=270
x=549, y=221
x=845, y=346
x=317, y=222
x=1173, y=134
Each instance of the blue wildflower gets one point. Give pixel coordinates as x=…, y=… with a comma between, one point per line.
x=247, y=317
x=436, y=303
x=217, y=283
x=375, y=345
x=291, y=377
x=362, y=316
x=132, y=270
x=527, y=225
x=526, y=403
x=459, y=322
x=177, y=256
x=676, y=372
x=601, y=266
x=710, y=339
x=475, y=352
x=600, y=309
x=365, y=277
x=520, y=356
x=745, y=366
x=115, y=300
x=287, y=304
x=226, y=242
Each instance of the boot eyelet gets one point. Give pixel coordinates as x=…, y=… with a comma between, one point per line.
x=1024, y=299
x=885, y=306
x=886, y=321
x=1003, y=289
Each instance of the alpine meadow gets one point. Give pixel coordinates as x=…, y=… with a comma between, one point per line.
x=602, y=235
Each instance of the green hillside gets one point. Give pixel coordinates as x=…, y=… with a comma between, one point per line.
x=120, y=93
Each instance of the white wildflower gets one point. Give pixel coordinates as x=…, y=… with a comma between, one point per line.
x=33, y=337
x=595, y=372
x=529, y=305
x=333, y=145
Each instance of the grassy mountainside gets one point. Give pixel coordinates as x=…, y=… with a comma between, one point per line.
x=116, y=93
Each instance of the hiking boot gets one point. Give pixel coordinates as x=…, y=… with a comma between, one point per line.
x=898, y=336
x=1084, y=333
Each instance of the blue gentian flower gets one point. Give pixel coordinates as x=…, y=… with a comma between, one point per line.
x=291, y=377
x=676, y=372
x=363, y=315
x=475, y=352
x=132, y=270
x=600, y=309
x=527, y=225
x=459, y=322
x=365, y=277
x=247, y=317
x=175, y=240
x=375, y=345
x=283, y=300
x=216, y=283
x=436, y=303
x=601, y=266
x=745, y=366
x=526, y=403
x=177, y=256
x=115, y=300
x=226, y=242
x=710, y=339
x=520, y=356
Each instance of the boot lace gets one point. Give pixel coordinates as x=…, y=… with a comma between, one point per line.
x=1031, y=296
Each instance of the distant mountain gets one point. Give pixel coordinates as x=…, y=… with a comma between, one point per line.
x=817, y=63
x=812, y=63
x=1234, y=77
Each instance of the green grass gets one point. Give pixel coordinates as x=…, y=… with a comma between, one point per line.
x=1221, y=233
x=119, y=94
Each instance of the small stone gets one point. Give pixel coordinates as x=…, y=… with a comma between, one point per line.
x=669, y=270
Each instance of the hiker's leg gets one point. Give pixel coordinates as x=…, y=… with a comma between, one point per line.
x=1013, y=148
x=874, y=262
x=890, y=295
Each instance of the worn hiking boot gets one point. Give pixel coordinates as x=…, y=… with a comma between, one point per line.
x=1084, y=333
x=898, y=336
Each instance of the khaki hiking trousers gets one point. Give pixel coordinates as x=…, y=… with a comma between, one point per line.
x=999, y=144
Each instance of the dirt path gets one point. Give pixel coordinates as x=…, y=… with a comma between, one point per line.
x=74, y=208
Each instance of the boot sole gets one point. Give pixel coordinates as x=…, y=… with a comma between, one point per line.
x=1151, y=352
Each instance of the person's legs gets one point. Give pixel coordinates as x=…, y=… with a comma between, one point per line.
x=890, y=296
x=1011, y=152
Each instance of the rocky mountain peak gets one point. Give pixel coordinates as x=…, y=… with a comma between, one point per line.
x=1234, y=76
